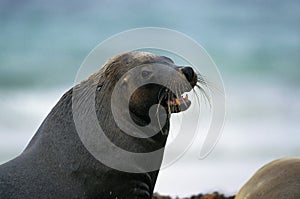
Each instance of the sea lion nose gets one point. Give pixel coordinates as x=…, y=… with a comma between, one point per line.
x=188, y=73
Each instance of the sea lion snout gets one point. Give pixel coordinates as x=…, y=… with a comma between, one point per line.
x=190, y=75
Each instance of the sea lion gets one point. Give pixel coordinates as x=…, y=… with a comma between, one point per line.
x=56, y=164
x=277, y=180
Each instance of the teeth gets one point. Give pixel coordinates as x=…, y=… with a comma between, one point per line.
x=186, y=97
x=178, y=101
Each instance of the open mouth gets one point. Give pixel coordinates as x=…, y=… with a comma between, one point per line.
x=176, y=104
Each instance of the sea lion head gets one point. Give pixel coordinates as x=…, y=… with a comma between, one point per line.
x=136, y=93
x=148, y=80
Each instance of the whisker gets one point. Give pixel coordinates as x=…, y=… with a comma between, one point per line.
x=157, y=115
x=204, y=85
x=177, y=95
x=203, y=81
x=204, y=95
x=169, y=97
x=159, y=93
x=197, y=97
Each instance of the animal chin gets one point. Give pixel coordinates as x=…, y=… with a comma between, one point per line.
x=178, y=104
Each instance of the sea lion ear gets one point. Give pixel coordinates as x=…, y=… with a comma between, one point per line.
x=99, y=87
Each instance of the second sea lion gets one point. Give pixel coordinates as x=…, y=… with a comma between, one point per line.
x=277, y=180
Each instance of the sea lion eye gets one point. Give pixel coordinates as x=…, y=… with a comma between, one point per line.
x=146, y=74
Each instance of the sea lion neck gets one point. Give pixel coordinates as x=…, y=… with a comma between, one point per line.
x=55, y=139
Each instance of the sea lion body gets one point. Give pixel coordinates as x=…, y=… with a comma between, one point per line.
x=279, y=179
x=56, y=164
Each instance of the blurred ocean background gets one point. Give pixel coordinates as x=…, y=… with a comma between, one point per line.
x=255, y=44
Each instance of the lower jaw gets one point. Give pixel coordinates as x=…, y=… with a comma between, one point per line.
x=181, y=107
x=178, y=108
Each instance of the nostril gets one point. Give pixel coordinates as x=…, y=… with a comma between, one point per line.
x=188, y=73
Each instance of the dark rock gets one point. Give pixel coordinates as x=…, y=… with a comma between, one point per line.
x=214, y=195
